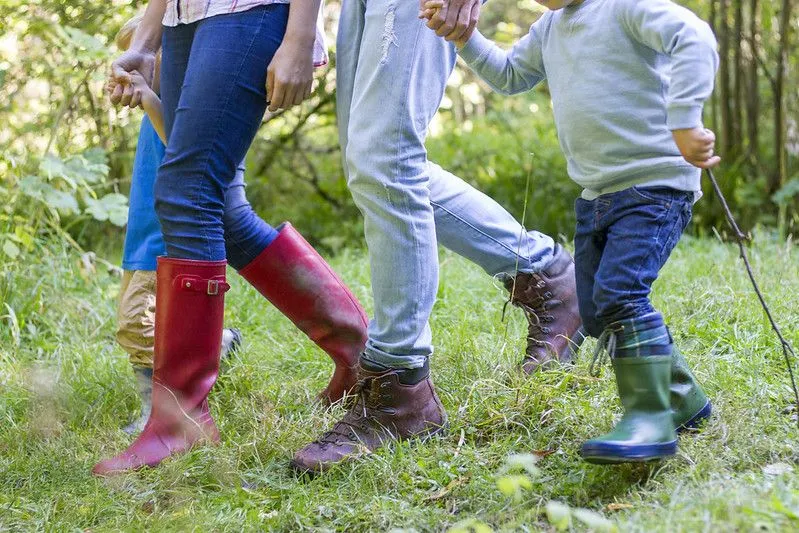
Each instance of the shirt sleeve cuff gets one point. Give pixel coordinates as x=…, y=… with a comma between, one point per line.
x=682, y=117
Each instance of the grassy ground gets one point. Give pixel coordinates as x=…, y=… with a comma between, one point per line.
x=65, y=389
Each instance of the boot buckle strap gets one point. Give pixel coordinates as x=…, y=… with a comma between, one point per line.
x=209, y=287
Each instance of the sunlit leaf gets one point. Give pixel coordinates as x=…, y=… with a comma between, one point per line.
x=11, y=249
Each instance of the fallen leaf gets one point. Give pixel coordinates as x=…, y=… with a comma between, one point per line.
x=543, y=453
x=437, y=495
x=619, y=506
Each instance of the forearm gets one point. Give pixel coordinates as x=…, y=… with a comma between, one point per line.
x=500, y=69
x=301, y=26
x=148, y=33
x=155, y=111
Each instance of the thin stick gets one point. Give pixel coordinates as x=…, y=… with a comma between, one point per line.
x=787, y=349
x=522, y=231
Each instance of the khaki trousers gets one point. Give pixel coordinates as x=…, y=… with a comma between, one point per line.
x=136, y=316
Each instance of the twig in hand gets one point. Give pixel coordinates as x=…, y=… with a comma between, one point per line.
x=742, y=239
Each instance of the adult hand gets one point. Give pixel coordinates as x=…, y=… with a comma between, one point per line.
x=455, y=20
x=697, y=146
x=289, y=77
x=120, y=82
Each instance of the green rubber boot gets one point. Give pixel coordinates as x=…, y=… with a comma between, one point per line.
x=689, y=404
x=646, y=432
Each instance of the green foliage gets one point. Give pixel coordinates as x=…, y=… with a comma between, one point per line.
x=54, y=56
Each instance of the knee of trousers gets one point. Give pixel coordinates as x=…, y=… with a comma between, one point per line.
x=136, y=336
x=183, y=210
x=379, y=195
x=240, y=225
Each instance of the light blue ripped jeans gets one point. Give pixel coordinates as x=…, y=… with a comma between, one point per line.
x=391, y=73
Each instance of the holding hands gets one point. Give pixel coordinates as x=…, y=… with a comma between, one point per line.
x=697, y=146
x=120, y=83
x=454, y=20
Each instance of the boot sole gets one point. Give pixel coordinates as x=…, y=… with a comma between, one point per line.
x=695, y=422
x=310, y=473
x=615, y=454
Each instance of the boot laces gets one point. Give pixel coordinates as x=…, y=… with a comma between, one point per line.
x=605, y=350
x=536, y=309
x=357, y=418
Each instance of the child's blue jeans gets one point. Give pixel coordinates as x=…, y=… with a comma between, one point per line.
x=213, y=89
x=622, y=241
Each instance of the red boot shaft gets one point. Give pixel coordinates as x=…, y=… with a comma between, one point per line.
x=188, y=336
x=299, y=282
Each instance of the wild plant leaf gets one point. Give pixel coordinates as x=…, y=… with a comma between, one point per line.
x=112, y=207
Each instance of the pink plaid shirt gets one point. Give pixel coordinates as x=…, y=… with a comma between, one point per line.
x=188, y=11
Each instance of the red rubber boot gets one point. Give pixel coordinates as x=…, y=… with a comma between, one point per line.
x=295, y=279
x=188, y=337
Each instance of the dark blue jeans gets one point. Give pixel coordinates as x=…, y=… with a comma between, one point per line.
x=213, y=89
x=622, y=241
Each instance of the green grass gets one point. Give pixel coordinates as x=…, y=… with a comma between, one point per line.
x=65, y=390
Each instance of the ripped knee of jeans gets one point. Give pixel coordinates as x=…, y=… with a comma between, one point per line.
x=389, y=37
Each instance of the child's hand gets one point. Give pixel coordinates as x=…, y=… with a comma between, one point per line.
x=430, y=9
x=121, y=90
x=697, y=146
x=137, y=88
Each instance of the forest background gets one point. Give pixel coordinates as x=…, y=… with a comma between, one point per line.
x=66, y=154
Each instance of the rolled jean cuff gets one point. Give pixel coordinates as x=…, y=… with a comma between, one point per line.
x=396, y=361
x=643, y=336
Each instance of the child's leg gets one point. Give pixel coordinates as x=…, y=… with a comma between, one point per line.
x=589, y=243
x=689, y=403
x=136, y=335
x=136, y=317
x=641, y=228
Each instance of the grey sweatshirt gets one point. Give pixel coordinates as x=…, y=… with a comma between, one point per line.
x=622, y=74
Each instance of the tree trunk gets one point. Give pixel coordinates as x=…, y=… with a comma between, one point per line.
x=714, y=98
x=738, y=100
x=727, y=136
x=753, y=86
x=780, y=153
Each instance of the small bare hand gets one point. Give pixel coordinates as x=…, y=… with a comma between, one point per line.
x=119, y=83
x=697, y=146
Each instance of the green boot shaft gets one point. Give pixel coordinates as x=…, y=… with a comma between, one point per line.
x=688, y=400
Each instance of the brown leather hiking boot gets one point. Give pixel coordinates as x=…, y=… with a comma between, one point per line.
x=385, y=410
x=549, y=300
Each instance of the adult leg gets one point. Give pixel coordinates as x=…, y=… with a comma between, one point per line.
x=537, y=273
x=385, y=80
x=211, y=83
x=300, y=283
